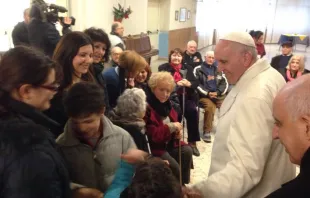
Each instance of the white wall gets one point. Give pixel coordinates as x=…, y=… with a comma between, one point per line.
x=176, y=5
x=137, y=21
x=99, y=13
x=90, y=13
x=164, y=15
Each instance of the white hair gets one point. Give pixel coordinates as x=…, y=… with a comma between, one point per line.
x=191, y=42
x=209, y=53
x=116, y=48
x=297, y=100
x=131, y=103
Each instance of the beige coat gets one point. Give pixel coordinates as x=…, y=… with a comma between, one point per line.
x=245, y=161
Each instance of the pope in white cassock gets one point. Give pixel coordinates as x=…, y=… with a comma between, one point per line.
x=246, y=161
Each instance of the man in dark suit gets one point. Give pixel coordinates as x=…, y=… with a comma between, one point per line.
x=291, y=111
x=191, y=56
x=20, y=31
x=281, y=61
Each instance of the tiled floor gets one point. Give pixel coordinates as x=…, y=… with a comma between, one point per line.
x=202, y=163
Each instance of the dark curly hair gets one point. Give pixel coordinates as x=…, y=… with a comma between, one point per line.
x=153, y=179
x=84, y=99
x=99, y=35
x=176, y=50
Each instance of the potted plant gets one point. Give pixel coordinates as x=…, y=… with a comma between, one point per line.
x=120, y=13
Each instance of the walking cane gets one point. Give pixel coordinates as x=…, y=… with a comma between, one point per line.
x=183, y=125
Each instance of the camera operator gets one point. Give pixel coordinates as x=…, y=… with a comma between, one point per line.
x=42, y=31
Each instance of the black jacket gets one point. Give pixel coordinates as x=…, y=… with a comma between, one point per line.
x=188, y=70
x=57, y=112
x=202, y=76
x=190, y=60
x=20, y=34
x=298, y=187
x=44, y=35
x=96, y=70
x=30, y=166
x=275, y=63
x=136, y=133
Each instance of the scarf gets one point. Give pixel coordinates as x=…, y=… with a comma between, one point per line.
x=119, y=120
x=289, y=75
x=177, y=75
x=162, y=109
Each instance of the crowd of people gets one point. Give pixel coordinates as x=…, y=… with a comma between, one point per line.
x=92, y=120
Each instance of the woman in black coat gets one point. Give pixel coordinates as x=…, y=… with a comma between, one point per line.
x=185, y=80
x=30, y=166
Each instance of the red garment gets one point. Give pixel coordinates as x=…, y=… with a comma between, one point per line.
x=260, y=50
x=177, y=75
x=158, y=132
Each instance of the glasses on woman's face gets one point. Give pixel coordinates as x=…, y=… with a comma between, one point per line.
x=54, y=87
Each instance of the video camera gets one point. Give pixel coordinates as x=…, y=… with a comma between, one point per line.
x=50, y=11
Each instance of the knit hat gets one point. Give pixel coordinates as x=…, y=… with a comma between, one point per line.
x=287, y=43
x=240, y=37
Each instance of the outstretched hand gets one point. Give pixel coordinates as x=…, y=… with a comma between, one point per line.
x=134, y=156
x=191, y=193
x=87, y=193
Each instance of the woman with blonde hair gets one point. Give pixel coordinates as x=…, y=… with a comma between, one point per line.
x=122, y=77
x=162, y=126
x=187, y=84
x=295, y=68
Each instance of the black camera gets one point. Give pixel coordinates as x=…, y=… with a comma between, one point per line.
x=49, y=12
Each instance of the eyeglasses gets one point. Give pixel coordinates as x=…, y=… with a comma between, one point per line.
x=50, y=87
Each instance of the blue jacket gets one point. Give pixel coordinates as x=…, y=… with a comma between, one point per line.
x=219, y=84
x=113, y=85
x=121, y=180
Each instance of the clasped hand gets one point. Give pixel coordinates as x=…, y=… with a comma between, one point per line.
x=184, y=83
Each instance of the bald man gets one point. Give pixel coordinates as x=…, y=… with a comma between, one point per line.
x=116, y=35
x=245, y=160
x=115, y=54
x=191, y=56
x=20, y=31
x=291, y=111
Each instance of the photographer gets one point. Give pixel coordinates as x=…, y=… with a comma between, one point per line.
x=42, y=30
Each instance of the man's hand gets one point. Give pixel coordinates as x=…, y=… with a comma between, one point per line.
x=191, y=193
x=184, y=83
x=134, y=156
x=197, y=60
x=87, y=193
x=166, y=162
x=213, y=94
x=210, y=78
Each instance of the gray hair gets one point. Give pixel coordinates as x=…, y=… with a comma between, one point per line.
x=26, y=11
x=191, y=42
x=209, y=53
x=114, y=27
x=131, y=103
x=298, y=97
